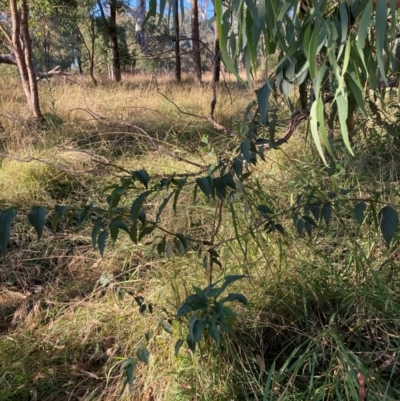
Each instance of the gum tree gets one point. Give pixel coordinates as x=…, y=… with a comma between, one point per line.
x=20, y=43
x=332, y=53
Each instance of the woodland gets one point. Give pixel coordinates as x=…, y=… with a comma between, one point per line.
x=199, y=200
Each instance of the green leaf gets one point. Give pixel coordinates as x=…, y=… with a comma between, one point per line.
x=310, y=220
x=235, y=297
x=176, y=196
x=342, y=104
x=191, y=342
x=327, y=212
x=300, y=226
x=182, y=239
x=167, y=327
x=381, y=32
x=214, y=332
x=178, y=346
x=314, y=130
x=364, y=24
x=220, y=187
x=133, y=233
x=162, y=206
x=37, y=217
x=6, y=218
x=143, y=177
x=60, y=210
x=308, y=228
x=315, y=210
x=205, y=184
x=215, y=292
x=359, y=210
x=389, y=222
x=128, y=368
x=198, y=329
x=264, y=210
x=263, y=95
x=143, y=355
x=114, y=231
x=97, y=226
x=119, y=224
x=149, y=334
x=143, y=309
x=137, y=205
x=101, y=241
x=146, y=231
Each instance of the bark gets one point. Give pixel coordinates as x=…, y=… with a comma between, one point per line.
x=21, y=44
x=140, y=17
x=89, y=51
x=178, y=73
x=217, y=57
x=196, y=41
x=111, y=27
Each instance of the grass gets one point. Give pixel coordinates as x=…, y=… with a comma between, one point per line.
x=322, y=308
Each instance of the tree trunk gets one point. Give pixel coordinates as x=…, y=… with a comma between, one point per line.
x=140, y=16
x=178, y=73
x=111, y=27
x=217, y=57
x=21, y=44
x=196, y=41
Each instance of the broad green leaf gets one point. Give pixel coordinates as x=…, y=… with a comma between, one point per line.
x=114, y=231
x=143, y=177
x=97, y=226
x=101, y=241
x=162, y=206
x=119, y=224
x=6, y=218
x=342, y=106
x=327, y=212
x=143, y=309
x=178, y=346
x=37, y=218
x=364, y=24
x=60, y=210
x=128, y=368
x=205, y=184
x=263, y=95
x=381, y=32
x=359, y=210
x=214, y=332
x=191, y=342
x=143, y=355
x=198, y=329
x=314, y=130
x=389, y=222
x=344, y=22
x=167, y=327
x=137, y=205
x=146, y=231
x=300, y=226
x=235, y=297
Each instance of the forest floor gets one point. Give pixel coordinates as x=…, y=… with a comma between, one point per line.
x=323, y=312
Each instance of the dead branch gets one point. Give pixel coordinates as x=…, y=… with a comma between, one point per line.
x=52, y=73
x=8, y=59
x=210, y=118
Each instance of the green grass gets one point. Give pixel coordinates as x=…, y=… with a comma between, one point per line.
x=322, y=308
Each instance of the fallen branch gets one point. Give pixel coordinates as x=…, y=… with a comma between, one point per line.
x=210, y=118
x=8, y=59
x=52, y=73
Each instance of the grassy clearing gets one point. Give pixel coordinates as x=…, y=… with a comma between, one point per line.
x=322, y=309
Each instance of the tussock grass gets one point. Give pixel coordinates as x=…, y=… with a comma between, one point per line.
x=321, y=309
